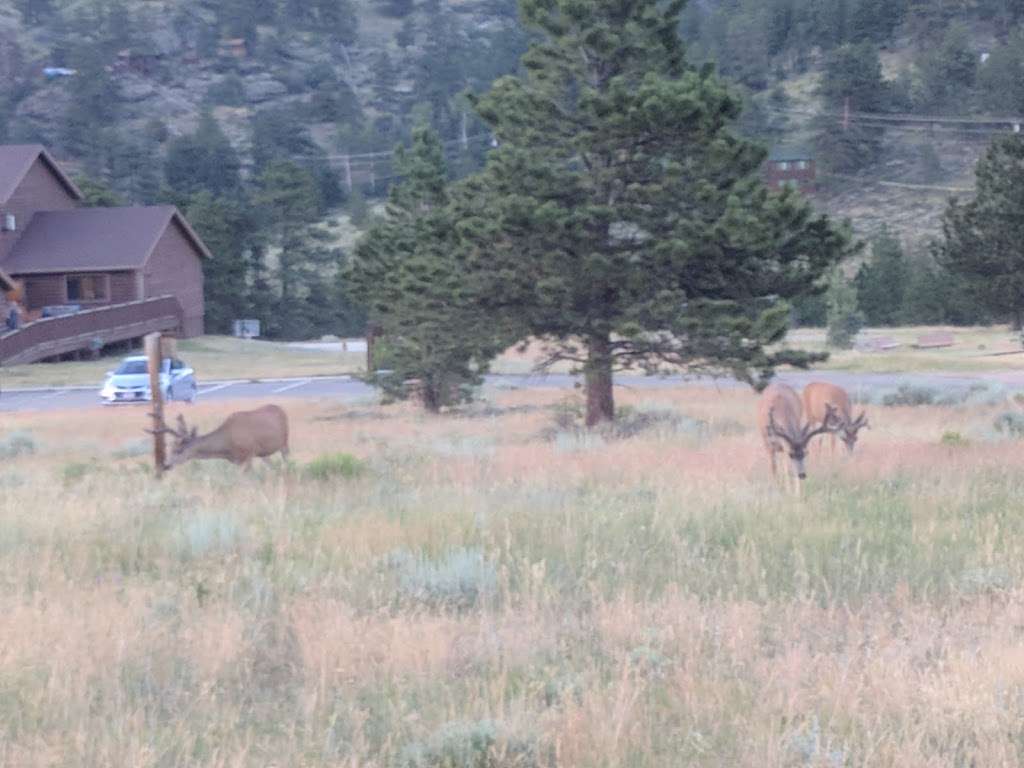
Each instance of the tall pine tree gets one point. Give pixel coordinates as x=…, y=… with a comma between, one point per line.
x=409, y=275
x=621, y=219
x=984, y=238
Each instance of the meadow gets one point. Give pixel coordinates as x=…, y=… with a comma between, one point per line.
x=497, y=588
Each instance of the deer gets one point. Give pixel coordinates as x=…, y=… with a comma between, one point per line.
x=243, y=436
x=818, y=395
x=780, y=418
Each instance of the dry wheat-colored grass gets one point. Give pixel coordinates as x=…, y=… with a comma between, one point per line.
x=644, y=596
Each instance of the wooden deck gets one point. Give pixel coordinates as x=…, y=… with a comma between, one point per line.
x=91, y=329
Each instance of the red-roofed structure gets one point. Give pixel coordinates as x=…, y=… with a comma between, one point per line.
x=54, y=254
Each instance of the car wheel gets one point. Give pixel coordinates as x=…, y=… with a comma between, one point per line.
x=193, y=392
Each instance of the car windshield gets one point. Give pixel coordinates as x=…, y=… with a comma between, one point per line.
x=131, y=367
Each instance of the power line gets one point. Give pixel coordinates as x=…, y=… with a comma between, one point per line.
x=387, y=154
x=908, y=117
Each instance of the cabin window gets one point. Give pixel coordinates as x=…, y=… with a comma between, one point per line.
x=802, y=165
x=87, y=287
x=783, y=165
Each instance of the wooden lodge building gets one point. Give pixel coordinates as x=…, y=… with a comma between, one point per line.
x=88, y=276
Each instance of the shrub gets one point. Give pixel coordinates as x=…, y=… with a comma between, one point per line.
x=229, y=91
x=467, y=744
x=910, y=395
x=630, y=422
x=461, y=579
x=568, y=432
x=17, y=444
x=332, y=465
x=75, y=471
x=1010, y=423
x=133, y=449
x=207, y=532
x=954, y=440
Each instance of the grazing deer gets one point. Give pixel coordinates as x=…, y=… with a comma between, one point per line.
x=780, y=418
x=242, y=437
x=818, y=395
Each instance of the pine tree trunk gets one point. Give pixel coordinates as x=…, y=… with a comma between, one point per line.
x=1018, y=318
x=598, y=378
x=430, y=397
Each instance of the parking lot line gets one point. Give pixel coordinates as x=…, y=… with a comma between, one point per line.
x=293, y=385
x=217, y=387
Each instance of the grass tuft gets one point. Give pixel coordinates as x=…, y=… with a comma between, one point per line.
x=334, y=465
x=17, y=444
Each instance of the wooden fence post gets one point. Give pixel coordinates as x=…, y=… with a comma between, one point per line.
x=154, y=359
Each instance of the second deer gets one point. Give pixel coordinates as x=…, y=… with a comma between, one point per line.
x=818, y=396
x=781, y=422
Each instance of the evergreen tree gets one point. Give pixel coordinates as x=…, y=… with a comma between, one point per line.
x=406, y=34
x=203, y=160
x=844, y=316
x=409, y=274
x=1001, y=78
x=97, y=194
x=948, y=71
x=882, y=281
x=396, y=8
x=621, y=219
x=289, y=201
x=854, y=73
x=338, y=19
x=92, y=109
x=984, y=238
x=34, y=12
x=224, y=226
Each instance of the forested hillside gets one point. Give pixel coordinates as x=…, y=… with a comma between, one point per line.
x=263, y=119
x=824, y=73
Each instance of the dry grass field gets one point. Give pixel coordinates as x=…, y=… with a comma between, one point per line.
x=496, y=589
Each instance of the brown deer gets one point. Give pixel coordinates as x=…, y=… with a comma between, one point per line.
x=818, y=395
x=780, y=418
x=242, y=437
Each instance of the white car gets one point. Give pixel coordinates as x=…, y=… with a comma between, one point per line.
x=129, y=382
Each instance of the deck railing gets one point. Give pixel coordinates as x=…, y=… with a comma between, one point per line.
x=90, y=329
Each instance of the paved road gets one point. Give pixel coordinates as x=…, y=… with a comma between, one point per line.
x=345, y=389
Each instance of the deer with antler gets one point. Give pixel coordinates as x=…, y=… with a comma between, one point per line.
x=818, y=396
x=781, y=421
x=243, y=436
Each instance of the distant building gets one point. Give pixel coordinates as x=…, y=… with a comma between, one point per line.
x=233, y=47
x=791, y=167
x=141, y=265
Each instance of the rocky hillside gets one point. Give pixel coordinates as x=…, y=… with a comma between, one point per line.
x=169, y=60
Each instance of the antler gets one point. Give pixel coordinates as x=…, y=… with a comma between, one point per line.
x=861, y=422
x=829, y=424
x=179, y=433
x=773, y=427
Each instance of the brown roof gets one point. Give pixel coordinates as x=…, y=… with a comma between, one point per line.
x=94, y=239
x=17, y=159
